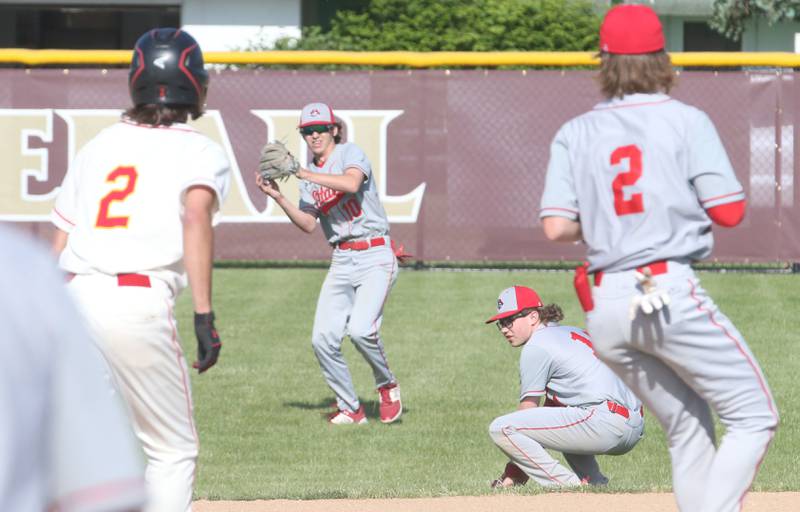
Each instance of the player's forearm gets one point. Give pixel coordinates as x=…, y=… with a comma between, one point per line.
x=59, y=241
x=348, y=183
x=561, y=229
x=305, y=221
x=198, y=246
x=529, y=402
x=198, y=243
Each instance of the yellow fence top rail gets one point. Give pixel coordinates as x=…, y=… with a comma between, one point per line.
x=410, y=59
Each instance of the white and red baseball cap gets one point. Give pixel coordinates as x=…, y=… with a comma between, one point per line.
x=513, y=300
x=631, y=30
x=316, y=113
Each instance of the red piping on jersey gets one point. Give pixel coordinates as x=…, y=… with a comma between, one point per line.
x=560, y=209
x=62, y=216
x=727, y=215
x=760, y=378
x=98, y=494
x=535, y=392
x=185, y=382
x=704, y=201
x=634, y=105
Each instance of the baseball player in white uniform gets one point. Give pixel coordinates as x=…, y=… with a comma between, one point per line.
x=134, y=217
x=65, y=440
x=587, y=409
x=340, y=191
x=640, y=178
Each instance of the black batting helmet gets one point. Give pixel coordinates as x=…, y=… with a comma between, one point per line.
x=167, y=68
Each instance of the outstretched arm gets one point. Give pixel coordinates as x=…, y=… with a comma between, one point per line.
x=303, y=220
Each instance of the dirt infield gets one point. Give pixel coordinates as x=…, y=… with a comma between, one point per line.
x=572, y=502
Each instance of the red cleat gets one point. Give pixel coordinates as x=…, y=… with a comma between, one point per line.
x=391, y=407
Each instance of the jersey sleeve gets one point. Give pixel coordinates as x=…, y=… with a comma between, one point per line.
x=354, y=156
x=534, y=371
x=211, y=169
x=307, y=203
x=95, y=462
x=559, y=198
x=710, y=170
x=65, y=210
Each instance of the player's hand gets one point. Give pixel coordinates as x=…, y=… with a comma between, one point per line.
x=269, y=187
x=208, y=342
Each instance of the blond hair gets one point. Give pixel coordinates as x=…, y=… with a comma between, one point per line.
x=630, y=74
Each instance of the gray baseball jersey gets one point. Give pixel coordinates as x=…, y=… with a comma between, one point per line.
x=345, y=216
x=597, y=413
x=64, y=436
x=638, y=173
x=559, y=361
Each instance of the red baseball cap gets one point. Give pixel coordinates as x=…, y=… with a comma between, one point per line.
x=630, y=30
x=316, y=113
x=513, y=300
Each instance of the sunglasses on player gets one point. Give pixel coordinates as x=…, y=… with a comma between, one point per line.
x=316, y=128
x=507, y=322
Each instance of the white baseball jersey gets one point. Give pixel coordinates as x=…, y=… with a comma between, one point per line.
x=65, y=439
x=559, y=362
x=647, y=167
x=121, y=200
x=345, y=216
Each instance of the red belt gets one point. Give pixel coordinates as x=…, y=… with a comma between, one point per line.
x=621, y=409
x=362, y=245
x=656, y=268
x=133, y=280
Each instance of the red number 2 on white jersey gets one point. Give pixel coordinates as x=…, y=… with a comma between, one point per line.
x=627, y=178
x=104, y=219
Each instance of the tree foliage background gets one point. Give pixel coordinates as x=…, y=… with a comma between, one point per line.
x=456, y=25
x=730, y=16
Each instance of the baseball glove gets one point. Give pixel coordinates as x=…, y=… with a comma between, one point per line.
x=276, y=163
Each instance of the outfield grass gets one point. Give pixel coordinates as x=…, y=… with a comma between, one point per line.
x=260, y=411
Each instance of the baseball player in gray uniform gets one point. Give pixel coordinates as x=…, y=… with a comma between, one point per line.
x=65, y=440
x=587, y=411
x=340, y=191
x=640, y=178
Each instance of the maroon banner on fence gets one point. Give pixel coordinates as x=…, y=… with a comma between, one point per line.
x=459, y=156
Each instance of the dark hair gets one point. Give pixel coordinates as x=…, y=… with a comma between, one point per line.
x=550, y=313
x=163, y=115
x=629, y=74
x=338, y=137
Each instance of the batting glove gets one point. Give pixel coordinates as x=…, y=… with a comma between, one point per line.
x=208, y=342
x=653, y=299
